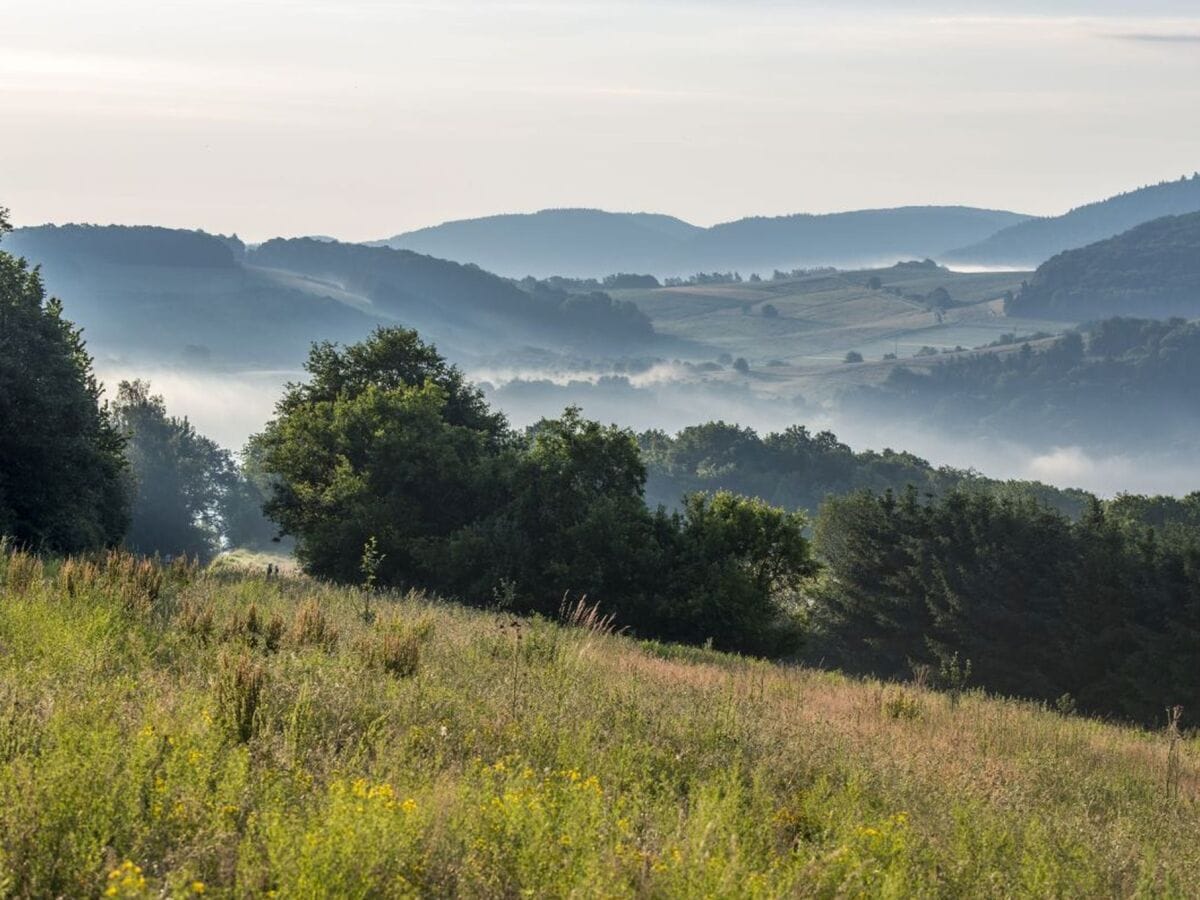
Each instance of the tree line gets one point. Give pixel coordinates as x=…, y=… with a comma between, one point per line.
x=1100, y=614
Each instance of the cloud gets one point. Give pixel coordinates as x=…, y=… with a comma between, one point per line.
x=1147, y=38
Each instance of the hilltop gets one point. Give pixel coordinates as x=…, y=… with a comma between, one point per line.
x=1027, y=244
x=574, y=242
x=590, y=243
x=183, y=732
x=1150, y=271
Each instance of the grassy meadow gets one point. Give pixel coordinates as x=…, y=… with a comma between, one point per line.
x=170, y=731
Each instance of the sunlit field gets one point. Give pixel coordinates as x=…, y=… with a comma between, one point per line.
x=169, y=731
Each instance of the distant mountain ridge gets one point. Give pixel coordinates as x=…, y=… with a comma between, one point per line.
x=1152, y=270
x=1030, y=243
x=572, y=242
x=592, y=243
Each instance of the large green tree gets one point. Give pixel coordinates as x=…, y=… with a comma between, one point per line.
x=387, y=446
x=385, y=441
x=62, y=473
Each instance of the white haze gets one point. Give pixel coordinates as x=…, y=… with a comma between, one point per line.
x=231, y=407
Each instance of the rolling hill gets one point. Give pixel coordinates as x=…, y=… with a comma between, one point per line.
x=165, y=296
x=571, y=242
x=1152, y=270
x=592, y=243
x=847, y=240
x=1028, y=244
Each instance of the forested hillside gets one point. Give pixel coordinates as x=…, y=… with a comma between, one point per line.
x=411, y=287
x=1123, y=385
x=1150, y=271
x=155, y=295
x=1028, y=244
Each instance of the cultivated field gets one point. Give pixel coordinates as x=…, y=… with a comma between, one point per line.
x=822, y=317
x=174, y=732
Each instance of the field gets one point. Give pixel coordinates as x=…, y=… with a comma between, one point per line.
x=176, y=732
x=822, y=317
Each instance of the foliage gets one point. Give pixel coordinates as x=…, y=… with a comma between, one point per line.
x=386, y=446
x=1009, y=595
x=140, y=758
x=62, y=474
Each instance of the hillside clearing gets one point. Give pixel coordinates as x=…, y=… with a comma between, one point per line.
x=173, y=731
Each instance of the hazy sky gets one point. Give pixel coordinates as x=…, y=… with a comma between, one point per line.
x=361, y=118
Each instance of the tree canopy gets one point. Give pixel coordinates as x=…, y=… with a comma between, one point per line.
x=62, y=473
x=386, y=446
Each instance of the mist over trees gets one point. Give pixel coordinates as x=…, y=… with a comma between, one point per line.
x=1117, y=385
x=180, y=478
x=798, y=469
x=62, y=470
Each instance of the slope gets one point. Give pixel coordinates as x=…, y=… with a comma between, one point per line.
x=229, y=734
x=161, y=296
x=1030, y=243
x=1152, y=270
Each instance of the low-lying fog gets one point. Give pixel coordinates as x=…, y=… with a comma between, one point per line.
x=230, y=407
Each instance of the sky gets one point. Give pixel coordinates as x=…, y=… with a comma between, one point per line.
x=363, y=118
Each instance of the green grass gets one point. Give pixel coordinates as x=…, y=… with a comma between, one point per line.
x=170, y=732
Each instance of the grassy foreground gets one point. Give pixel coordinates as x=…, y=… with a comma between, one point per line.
x=171, y=732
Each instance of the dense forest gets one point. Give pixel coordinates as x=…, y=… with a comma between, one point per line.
x=1116, y=385
x=1152, y=271
x=1099, y=615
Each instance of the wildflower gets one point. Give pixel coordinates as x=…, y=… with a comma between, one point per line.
x=197, y=887
x=409, y=805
